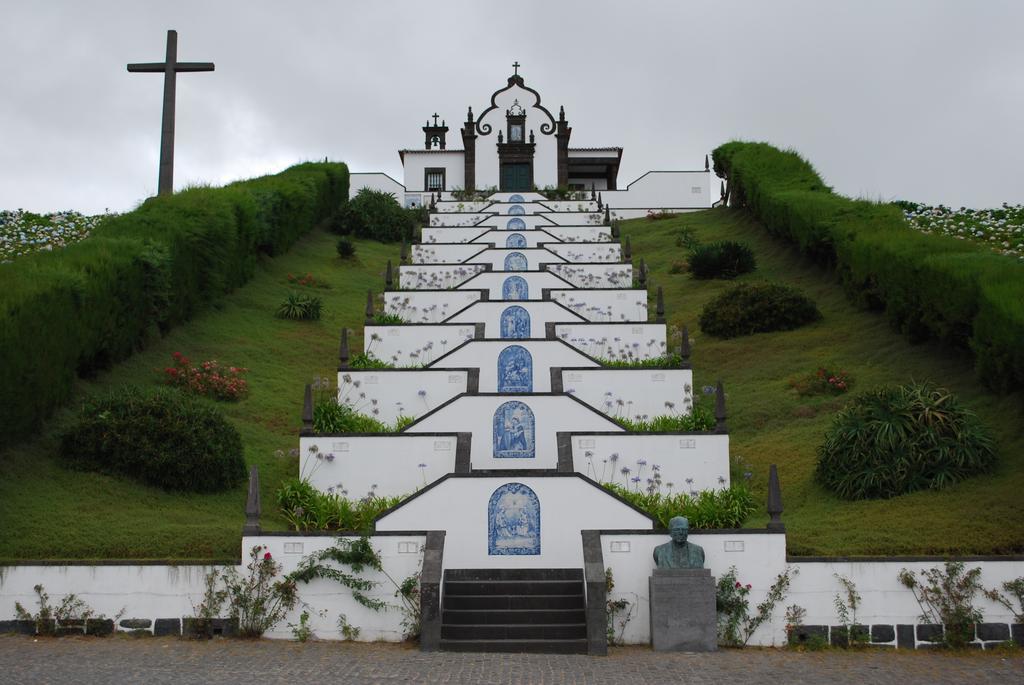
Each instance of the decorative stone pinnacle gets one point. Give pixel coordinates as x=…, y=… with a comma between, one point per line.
x=607, y=214
x=642, y=277
x=720, y=414
x=593, y=191
x=684, y=346
x=659, y=312
x=369, y=307
x=389, y=280
x=600, y=202
x=707, y=165
x=627, y=249
x=252, y=504
x=774, y=500
x=343, y=351
x=403, y=255
x=615, y=230
x=723, y=190
x=307, y=412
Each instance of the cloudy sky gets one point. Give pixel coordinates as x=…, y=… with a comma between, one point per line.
x=895, y=99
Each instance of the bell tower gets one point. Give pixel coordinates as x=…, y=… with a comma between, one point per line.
x=434, y=134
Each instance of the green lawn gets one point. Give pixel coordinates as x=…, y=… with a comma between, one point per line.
x=48, y=512
x=770, y=424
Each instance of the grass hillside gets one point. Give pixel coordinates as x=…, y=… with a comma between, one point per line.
x=49, y=512
x=770, y=424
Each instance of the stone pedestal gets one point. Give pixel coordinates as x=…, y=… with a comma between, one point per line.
x=683, y=617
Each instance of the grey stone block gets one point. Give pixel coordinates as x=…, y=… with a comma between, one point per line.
x=1017, y=631
x=929, y=632
x=993, y=631
x=99, y=627
x=683, y=617
x=840, y=638
x=883, y=633
x=136, y=623
x=216, y=627
x=905, y=637
x=805, y=634
x=167, y=626
x=18, y=627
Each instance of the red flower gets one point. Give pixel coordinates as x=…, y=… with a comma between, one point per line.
x=748, y=586
x=266, y=557
x=739, y=584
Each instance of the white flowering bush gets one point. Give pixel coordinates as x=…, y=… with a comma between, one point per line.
x=23, y=232
x=1002, y=229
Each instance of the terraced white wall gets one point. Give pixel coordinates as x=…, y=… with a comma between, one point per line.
x=496, y=326
x=428, y=306
x=534, y=258
x=581, y=234
x=386, y=394
x=690, y=462
x=435, y=276
x=414, y=344
x=483, y=354
x=533, y=237
x=618, y=341
x=587, y=252
x=457, y=219
x=595, y=275
x=443, y=253
x=632, y=393
x=536, y=281
x=607, y=306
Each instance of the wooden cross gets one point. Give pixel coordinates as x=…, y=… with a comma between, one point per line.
x=169, y=67
x=516, y=67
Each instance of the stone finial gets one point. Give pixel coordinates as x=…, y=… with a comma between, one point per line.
x=501, y=138
x=307, y=411
x=659, y=311
x=600, y=202
x=707, y=164
x=532, y=139
x=607, y=214
x=723, y=190
x=389, y=277
x=469, y=115
x=561, y=112
x=593, y=191
x=433, y=202
x=403, y=256
x=252, y=504
x=343, y=351
x=627, y=250
x=369, y=307
x=615, y=229
x=684, y=347
x=774, y=500
x=641, y=279
x=720, y=414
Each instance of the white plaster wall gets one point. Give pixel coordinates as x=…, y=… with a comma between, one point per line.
x=435, y=276
x=581, y=234
x=593, y=218
x=496, y=258
x=507, y=197
x=664, y=189
x=428, y=306
x=351, y=465
x=545, y=164
x=461, y=206
x=758, y=558
x=693, y=462
x=416, y=161
x=583, y=205
x=483, y=354
x=386, y=394
x=531, y=221
x=451, y=234
x=620, y=341
x=533, y=236
x=416, y=344
x=401, y=556
x=632, y=393
x=642, y=212
x=568, y=505
x=536, y=281
x=475, y=413
x=376, y=181
x=595, y=275
x=502, y=208
x=587, y=252
x=453, y=219
x=443, y=253
x=605, y=305
x=489, y=313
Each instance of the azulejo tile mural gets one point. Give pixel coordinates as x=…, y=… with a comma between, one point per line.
x=516, y=261
x=515, y=240
x=515, y=198
x=515, y=369
x=513, y=521
x=514, y=431
x=516, y=210
x=515, y=323
x=515, y=224
x=515, y=288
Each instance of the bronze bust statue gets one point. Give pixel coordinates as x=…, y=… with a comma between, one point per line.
x=679, y=553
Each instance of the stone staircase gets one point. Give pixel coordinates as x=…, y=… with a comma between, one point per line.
x=514, y=610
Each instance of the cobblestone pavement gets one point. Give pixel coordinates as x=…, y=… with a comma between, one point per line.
x=154, y=661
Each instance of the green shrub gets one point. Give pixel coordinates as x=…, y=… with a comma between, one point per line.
x=330, y=416
x=306, y=508
x=300, y=307
x=158, y=437
x=346, y=248
x=724, y=259
x=896, y=440
x=82, y=308
x=375, y=214
x=728, y=508
x=956, y=291
x=700, y=418
x=749, y=308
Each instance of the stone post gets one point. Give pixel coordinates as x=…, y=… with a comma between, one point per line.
x=684, y=347
x=343, y=351
x=597, y=594
x=369, y=308
x=774, y=500
x=307, y=412
x=252, y=504
x=627, y=250
x=389, y=279
x=430, y=592
x=720, y=414
x=659, y=312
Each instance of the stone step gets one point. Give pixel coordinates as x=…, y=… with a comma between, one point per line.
x=497, y=631
x=512, y=602
x=514, y=574
x=513, y=616
x=512, y=587
x=517, y=646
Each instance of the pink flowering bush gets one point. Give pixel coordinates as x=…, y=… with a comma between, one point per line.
x=824, y=381
x=208, y=378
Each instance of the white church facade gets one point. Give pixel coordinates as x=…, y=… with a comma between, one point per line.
x=515, y=144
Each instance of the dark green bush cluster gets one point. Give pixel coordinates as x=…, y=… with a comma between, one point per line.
x=346, y=248
x=375, y=214
x=749, y=308
x=95, y=302
x=724, y=259
x=930, y=285
x=896, y=440
x=300, y=307
x=158, y=437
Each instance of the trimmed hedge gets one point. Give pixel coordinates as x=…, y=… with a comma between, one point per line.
x=82, y=308
x=158, y=437
x=930, y=286
x=724, y=259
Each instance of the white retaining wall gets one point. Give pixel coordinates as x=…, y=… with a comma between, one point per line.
x=619, y=341
x=632, y=393
x=536, y=281
x=581, y=234
x=595, y=275
x=587, y=252
x=414, y=344
x=376, y=181
x=462, y=234
x=607, y=306
x=533, y=237
x=386, y=394
x=687, y=462
x=457, y=219
x=483, y=354
x=534, y=258
x=663, y=189
x=584, y=218
x=462, y=206
x=584, y=206
x=490, y=314
x=428, y=306
x=443, y=253
x=435, y=276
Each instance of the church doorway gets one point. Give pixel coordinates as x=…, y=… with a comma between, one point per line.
x=516, y=177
